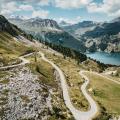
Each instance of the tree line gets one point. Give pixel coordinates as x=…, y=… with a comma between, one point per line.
x=67, y=52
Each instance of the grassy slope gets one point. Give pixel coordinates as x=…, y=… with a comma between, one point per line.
x=71, y=71
x=10, y=49
x=10, y=46
x=116, y=76
x=46, y=76
x=92, y=65
x=106, y=92
x=43, y=69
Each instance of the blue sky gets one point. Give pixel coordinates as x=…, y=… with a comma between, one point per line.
x=68, y=10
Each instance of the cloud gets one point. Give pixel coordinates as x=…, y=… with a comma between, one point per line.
x=27, y=1
x=26, y=7
x=64, y=4
x=109, y=7
x=23, y=17
x=9, y=8
x=44, y=2
x=71, y=21
x=40, y=13
x=70, y=4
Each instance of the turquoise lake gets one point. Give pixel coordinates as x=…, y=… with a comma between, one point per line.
x=107, y=58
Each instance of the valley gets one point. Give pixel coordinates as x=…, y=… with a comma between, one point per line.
x=97, y=36
x=48, y=30
x=45, y=80
x=71, y=84
x=86, y=36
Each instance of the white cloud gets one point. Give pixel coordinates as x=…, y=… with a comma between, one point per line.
x=69, y=4
x=22, y=1
x=11, y=7
x=8, y=8
x=110, y=7
x=21, y=17
x=71, y=21
x=5, y=12
x=40, y=13
x=26, y=7
x=44, y=2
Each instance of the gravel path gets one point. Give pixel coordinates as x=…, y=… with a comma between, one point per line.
x=78, y=115
x=24, y=61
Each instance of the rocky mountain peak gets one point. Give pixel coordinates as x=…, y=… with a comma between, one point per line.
x=43, y=23
x=5, y=26
x=36, y=22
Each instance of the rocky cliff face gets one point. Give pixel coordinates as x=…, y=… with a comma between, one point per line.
x=106, y=37
x=111, y=44
x=43, y=23
x=36, y=23
x=98, y=36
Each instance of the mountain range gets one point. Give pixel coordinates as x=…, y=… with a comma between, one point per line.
x=48, y=30
x=83, y=36
x=97, y=36
x=34, y=76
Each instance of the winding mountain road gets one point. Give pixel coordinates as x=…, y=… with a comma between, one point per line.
x=22, y=58
x=78, y=115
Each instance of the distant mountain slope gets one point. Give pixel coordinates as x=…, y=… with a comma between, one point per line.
x=6, y=26
x=98, y=36
x=105, y=37
x=36, y=23
x=12, y=42
x=105, y=29
x=49, y=30
x=80, y=28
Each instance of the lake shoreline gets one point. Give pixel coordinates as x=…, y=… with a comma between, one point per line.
x=106, y=58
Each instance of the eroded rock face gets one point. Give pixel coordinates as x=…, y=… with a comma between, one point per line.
x=23, y=97
x=97, y=44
